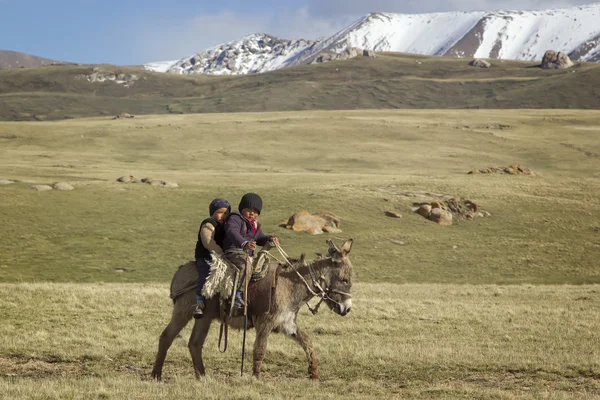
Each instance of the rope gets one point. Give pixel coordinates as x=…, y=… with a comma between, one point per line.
x=323, y=294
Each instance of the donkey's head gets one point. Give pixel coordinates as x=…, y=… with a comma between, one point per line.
x=340, y=280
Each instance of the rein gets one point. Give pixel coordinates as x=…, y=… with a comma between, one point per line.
x=323, y=294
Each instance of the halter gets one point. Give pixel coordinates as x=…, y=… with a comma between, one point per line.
x=323, y=294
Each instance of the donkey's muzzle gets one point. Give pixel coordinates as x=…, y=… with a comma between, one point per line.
x=343, y=308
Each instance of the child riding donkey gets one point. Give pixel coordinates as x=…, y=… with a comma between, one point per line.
x=242, y=235
x=210, y=239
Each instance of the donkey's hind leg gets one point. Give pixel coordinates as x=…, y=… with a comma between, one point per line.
x=302, y=337
x=179, y=319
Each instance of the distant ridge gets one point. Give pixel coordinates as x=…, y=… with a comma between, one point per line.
x=15, y=59
x=509, y=35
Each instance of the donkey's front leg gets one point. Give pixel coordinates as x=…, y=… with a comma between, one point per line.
x=302, y=337
x=260, y=346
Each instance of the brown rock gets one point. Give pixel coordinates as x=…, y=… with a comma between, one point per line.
x=424, y=210
x=127, y=179
x=314, y=224
x=62, y=186
x=330, y=219
x=393, y=214
x=440, y=216
x=41, y=188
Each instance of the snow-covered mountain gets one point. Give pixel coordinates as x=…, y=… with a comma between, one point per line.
x=515, y=35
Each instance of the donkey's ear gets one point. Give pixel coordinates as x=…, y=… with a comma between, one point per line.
x=302, y=260
x=347, y=246
x=332, y=246
x=319, y=255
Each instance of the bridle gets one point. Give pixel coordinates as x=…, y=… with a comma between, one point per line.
x=319, y=283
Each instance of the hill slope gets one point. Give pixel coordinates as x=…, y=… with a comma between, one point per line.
x=15, y=59
x=389, y=81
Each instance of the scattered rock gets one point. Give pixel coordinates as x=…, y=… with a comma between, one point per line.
x=314, y=224
x=6, y=182
x=41, y=188
x=150, y=181
x=556, y=60
x=348, y=53
x=156, y=182
x=99, y=76
x=62, y=186
x=515, y=169
x=127, y=179
x=440, y=216
x=393, y=214
x=479, y=63
x=123, y=115
x=369, y=53
x=444, y=211
x=597, y=229
x=424, y=210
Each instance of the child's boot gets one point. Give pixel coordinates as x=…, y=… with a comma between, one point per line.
x=199, y=309
x=239, y=301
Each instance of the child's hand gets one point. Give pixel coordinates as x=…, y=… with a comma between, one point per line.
x=274, y=239
x=251, y=245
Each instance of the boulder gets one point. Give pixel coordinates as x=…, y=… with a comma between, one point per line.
x=127, y=179
x=479, y=63
x=424, y=210
x=556, y=60
x=393, y=214
x=41, y=188
x=440, y=216
x=314, y=224
x=123, y=115
x=369, y=53
x=62, y=186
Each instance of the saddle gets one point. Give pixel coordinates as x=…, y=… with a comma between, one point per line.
x=221, y=279
x=260, y=292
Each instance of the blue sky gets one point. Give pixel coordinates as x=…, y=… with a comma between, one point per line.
x=128, y=32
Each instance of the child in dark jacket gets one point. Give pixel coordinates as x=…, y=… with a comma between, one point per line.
x=210, y=239
x=242, y=234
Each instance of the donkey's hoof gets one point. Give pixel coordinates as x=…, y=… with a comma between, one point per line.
x=313, y=374
x=157, y=376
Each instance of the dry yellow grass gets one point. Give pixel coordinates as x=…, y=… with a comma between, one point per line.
x=409, y=341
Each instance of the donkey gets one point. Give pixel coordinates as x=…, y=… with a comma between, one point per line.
x=329, y=277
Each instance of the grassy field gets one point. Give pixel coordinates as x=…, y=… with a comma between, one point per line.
x=390, y=81
x=400, y=341
x=501, y=307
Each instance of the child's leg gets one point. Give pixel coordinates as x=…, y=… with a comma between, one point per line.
x=239, y=258
x=203, y=270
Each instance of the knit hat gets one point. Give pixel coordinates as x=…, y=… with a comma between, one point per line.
x=250, y=200
x=218, y=203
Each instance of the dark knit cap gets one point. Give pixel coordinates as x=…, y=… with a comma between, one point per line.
x=218, y=203
x=250, y=200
